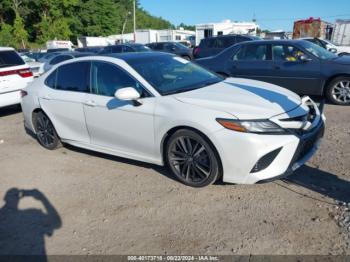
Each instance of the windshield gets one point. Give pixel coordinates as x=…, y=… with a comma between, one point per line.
x=171, y=74
x=317, y=50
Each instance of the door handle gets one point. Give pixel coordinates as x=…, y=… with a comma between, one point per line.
x=90, y=103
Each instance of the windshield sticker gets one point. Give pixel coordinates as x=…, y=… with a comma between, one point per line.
x=181, y=60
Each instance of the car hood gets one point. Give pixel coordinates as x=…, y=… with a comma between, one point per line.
x=243, y=98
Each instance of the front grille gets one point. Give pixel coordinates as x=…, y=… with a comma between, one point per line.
x=307, y=142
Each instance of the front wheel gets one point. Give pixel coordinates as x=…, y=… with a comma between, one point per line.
x=192, y=159
x=338, y=91
x=45, y=132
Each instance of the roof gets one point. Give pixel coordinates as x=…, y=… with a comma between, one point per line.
x=279, y=41
x=6, y=49
x=132, y=56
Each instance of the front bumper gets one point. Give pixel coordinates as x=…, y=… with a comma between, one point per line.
x=240, y=152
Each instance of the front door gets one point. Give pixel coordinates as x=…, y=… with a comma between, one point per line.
x=302, y=77
x=114, y=124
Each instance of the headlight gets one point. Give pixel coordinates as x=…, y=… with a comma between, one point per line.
x=251, y=126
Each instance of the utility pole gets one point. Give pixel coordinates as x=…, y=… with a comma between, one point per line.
x=135, y=21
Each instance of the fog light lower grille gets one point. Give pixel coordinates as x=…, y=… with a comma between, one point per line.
x=265, y=161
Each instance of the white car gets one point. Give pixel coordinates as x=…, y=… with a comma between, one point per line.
x=36, y=67
x=162, y=109
x=14, y=76
x=328, y=45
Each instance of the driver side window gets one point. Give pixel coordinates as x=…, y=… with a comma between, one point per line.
x=106, y=79
x=286, y=53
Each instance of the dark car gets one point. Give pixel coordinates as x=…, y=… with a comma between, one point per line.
x=89, y=49
x=298, y=65
x=60, y=57
x=124, y=48
x=213, y=45
x=172, y=47
x=54, y=50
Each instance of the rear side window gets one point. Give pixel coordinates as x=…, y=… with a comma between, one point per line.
x=10, y=58
x=73, y=77
x=51, y=80
x=252, y=53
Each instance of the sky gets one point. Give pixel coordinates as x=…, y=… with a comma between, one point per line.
x=270, y=14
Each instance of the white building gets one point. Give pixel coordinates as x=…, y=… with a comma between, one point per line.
x=145, y=36
x=224, y=28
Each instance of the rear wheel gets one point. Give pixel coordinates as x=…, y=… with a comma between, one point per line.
x=338, y=91
x=192, y=159
x=45, y=132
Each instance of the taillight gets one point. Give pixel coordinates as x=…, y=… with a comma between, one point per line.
x=25, y=72
x=23, y=93
x=22, y=72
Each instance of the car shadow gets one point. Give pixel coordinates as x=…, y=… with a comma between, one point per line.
x=322, y=182
x=10, y=110
x=23, y=231
x=159, y=169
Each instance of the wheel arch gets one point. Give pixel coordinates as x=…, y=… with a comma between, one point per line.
x=330, y=79
x=170, y=132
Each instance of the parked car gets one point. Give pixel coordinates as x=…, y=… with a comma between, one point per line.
x=328, y=45
x=35, y=55
x=55, y=50
x=173, y=48
x=213, y=45
x=58, y=58
x=35, y=67
x=162, y=109
x=298, y=65
x=14, y=76
x=89, y=49
x=124, y=48
x=47, y=56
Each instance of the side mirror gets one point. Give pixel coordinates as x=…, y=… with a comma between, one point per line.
x=333, y=50
x=127, y=94
x=304, y=58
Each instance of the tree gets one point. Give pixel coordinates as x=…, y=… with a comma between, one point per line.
x=6, y=35
x=20, y=35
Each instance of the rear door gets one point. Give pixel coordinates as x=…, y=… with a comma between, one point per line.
x=252, y=61
x=14, y=73
x=63, y=100
x=302, y=77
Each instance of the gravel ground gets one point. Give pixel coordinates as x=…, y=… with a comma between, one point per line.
x=88, y=203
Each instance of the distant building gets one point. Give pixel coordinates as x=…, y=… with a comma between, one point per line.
x=312, y=28
x=143, y=36
x=341, y=32
x=225, y=27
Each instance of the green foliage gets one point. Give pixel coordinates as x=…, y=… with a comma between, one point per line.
x=187, y=27
x=37, y=21
x=6, y=35
x=20, y=35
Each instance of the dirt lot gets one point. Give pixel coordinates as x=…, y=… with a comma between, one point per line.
x=109, y=205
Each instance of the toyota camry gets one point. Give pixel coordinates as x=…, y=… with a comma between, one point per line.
x=162, y=109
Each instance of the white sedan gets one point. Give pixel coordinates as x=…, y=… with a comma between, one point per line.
x=162, y=109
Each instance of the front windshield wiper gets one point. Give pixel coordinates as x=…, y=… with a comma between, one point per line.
x=204, y=84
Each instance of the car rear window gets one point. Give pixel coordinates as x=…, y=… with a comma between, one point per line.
x=10, y=58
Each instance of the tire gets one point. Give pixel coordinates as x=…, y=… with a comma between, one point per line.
x=192, y=159
x=338, y=91
x=187, y=58
x=45, y=132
